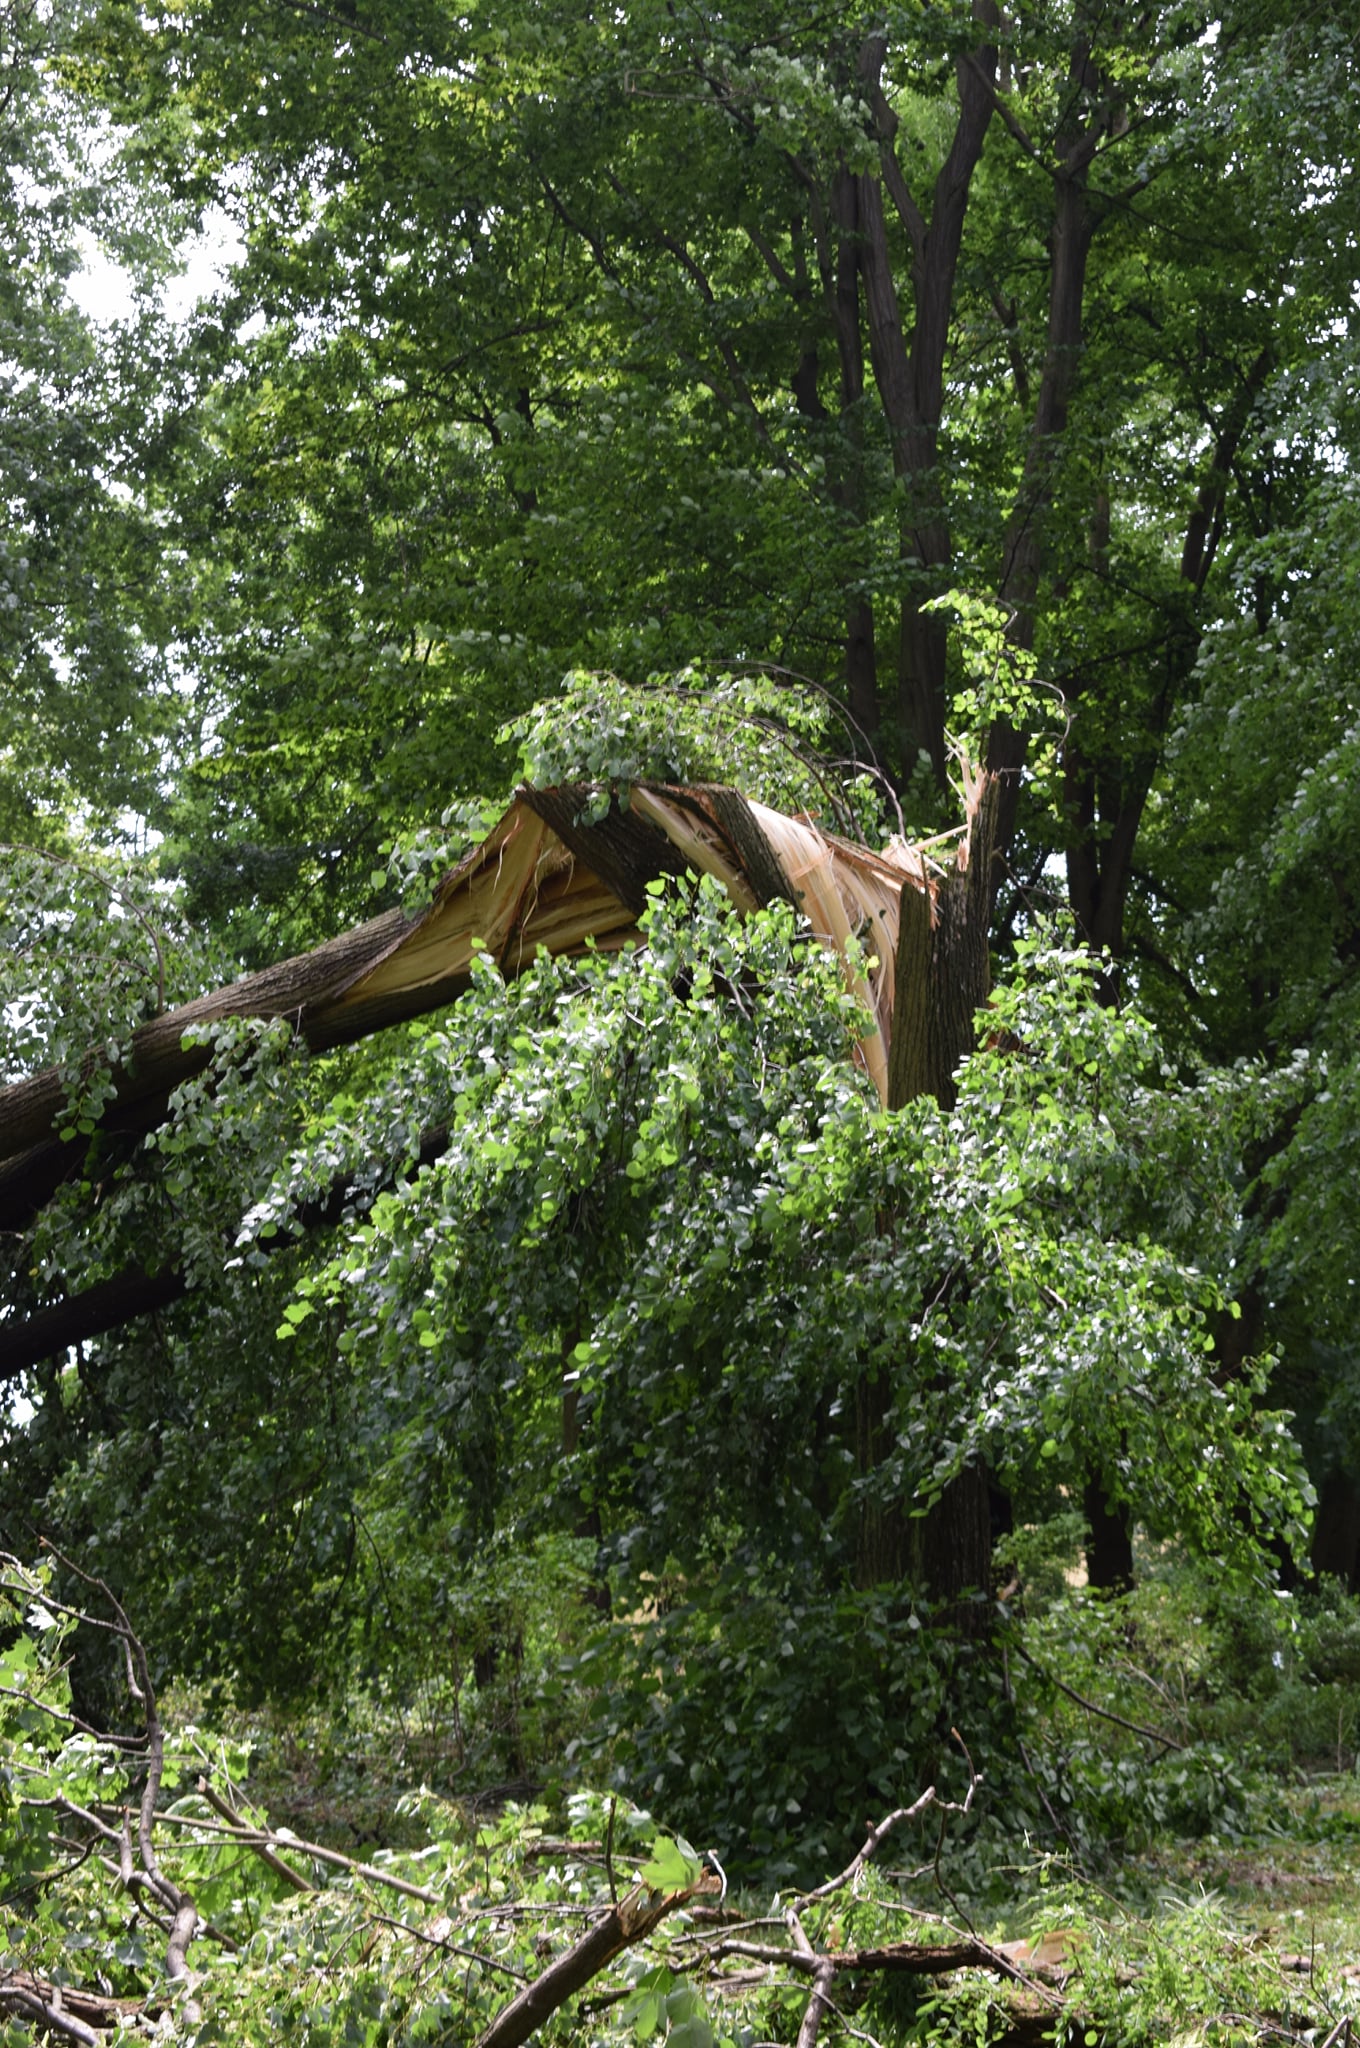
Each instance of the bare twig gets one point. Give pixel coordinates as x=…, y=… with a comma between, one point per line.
x=433, y=1938
x=184, y=1914
x=251, y=1838
x=928, y=1799
x=609, y=1855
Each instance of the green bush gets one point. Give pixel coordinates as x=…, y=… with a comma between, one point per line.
x=773, y=1724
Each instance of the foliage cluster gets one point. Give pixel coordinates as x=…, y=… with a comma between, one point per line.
x=582, y=1380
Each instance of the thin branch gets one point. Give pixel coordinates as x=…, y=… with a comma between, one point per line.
x=1010, y=119
x=266, y=1855
x=878, y=1834
x=452, y=1948
x=818, y=2004
x=765, y=249
x=346, y=23
x=251, y=1838
x=1102, y=1713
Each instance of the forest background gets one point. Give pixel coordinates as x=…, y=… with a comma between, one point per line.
x=594, y=1378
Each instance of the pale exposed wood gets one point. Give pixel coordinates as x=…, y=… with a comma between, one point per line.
x=543, y=878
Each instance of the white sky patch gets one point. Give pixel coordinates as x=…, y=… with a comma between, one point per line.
x=103, y=289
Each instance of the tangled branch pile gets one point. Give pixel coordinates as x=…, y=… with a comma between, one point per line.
x=145, y=1896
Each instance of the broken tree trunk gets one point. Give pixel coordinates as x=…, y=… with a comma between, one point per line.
x=548, y=877
x=943, y=978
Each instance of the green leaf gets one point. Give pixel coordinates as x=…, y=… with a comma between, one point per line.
x=672, y=1866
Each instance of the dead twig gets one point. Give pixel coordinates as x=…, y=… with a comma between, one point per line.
x=184, y=1920
x=876, y=1835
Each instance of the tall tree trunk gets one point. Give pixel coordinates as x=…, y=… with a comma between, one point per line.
x=1109, y=1540
x=842, y=283
x=910, y=374
x=1336, y=1530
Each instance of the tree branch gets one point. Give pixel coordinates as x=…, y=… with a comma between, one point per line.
x=625, y=1924
x=1101, y=1713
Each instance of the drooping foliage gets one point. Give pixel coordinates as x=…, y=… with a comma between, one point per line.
x=963, y=374
x=676, y=1288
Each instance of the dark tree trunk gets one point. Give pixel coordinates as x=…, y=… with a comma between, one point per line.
x=909, y=375
x=943, y=964
x=841, y=283
x=1109, y=1544
x=1336, y=1531
x=954, y=1544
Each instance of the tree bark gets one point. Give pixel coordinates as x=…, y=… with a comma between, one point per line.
x=943, y=963
x=910, y=376
x=943, y=979
x=1336, y=1531
x=1109, y=1543
x=630, y=1920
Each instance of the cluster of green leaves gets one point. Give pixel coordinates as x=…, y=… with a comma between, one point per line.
x=673, y=1256
x=87, y=698
x=90, y=947
x=765, y=735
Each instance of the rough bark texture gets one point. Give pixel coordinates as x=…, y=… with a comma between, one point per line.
x=1109, y=1543
x=910, y=375
x=158, y=1059
x=943, y=968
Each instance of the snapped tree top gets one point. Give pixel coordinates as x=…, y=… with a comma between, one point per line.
x=564, y=869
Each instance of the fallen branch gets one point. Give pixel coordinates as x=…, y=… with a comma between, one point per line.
x=56, y=2009
x=183, y=1921
x=626, y=1923
x=241, y=1826
x=876, y=1836
x=908, y=1958
x=256, y=1838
